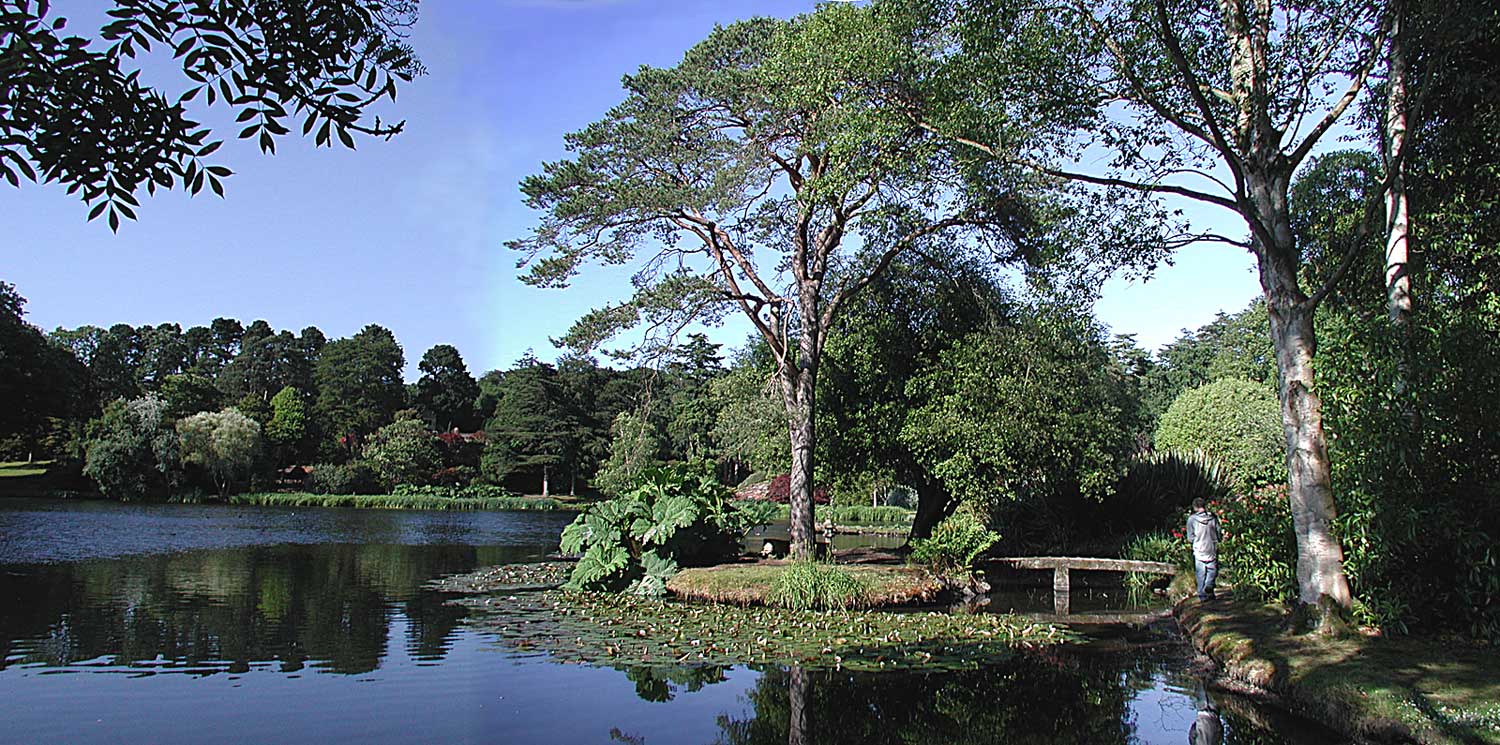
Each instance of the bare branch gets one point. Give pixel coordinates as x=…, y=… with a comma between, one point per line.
x=1351, y=93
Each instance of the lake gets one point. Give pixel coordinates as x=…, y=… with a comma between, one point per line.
x=177, y=624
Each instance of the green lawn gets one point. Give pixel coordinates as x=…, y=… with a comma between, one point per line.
x=22, y=469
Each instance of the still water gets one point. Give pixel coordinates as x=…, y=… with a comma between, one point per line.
x=178, y=624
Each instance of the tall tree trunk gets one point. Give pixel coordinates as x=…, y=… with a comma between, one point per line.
x=798, y=385
x=1320, y=556
x=1398, y=280
x=798, y=389
x=545, y=492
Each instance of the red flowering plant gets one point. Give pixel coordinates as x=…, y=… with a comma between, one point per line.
x=780, y=491
x=1258, y=554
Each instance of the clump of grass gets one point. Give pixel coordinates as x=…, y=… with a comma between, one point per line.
x=750, y=584
x=1155, y=547
x=809, y=585
x=859, y=514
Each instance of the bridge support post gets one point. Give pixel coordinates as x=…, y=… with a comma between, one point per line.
x=1061, y=592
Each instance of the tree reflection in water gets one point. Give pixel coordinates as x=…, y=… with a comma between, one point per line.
x=1047, y=697
x=1025, y=700
x=327, y=605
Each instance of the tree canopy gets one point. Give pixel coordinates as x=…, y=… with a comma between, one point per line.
x=73, y=112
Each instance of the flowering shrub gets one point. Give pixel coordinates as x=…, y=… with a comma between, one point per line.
x=1258, y=554
x=780, y=491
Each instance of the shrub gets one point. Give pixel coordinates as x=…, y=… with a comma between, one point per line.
x=355, y=477
x=954, y=544
x=1158, y=487
x=780, y=491
x=224, y=445
x=675, y=515
x=455, y=476
x=131, y=452
x=1237, y=422
x=1258, y=554
x=403, y=452
x=809, y=585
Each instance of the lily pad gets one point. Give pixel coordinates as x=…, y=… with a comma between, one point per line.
x=605, y=628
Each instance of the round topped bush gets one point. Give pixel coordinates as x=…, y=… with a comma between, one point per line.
x=1234, y=420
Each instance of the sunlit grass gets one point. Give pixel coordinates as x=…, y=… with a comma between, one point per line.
x=22, y=469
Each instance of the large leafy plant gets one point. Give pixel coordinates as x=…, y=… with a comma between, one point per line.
x=673, y=515
x=955, y=544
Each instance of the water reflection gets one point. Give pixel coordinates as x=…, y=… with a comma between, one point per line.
x=205, y=611
x=1048, y=698
x=280, y=595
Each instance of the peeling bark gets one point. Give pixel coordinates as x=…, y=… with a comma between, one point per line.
x=1320, y=556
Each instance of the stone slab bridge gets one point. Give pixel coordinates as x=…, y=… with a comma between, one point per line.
x=1061, y=564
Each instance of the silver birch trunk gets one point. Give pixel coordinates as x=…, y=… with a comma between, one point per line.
x=1397, y=271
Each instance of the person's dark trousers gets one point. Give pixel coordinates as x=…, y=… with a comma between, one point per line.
x=1207, y=573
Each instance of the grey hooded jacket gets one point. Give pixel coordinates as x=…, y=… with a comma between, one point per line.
x=1203, y=533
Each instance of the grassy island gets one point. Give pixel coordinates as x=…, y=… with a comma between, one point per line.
x=1396, y=689
x=752, y=584
x=610, y=628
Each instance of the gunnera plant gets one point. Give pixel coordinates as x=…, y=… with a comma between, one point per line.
x=810, y=585
x=673, y=515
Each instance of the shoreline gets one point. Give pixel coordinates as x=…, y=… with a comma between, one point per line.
x=1371, y=689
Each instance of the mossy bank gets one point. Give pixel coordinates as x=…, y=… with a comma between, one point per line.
x=1399, y=689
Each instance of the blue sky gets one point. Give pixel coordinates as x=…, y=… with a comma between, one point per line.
x=408, y=233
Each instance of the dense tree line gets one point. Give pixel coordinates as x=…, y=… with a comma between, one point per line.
x=144, y=404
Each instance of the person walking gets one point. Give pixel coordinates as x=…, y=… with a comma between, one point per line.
x=1203, y=533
